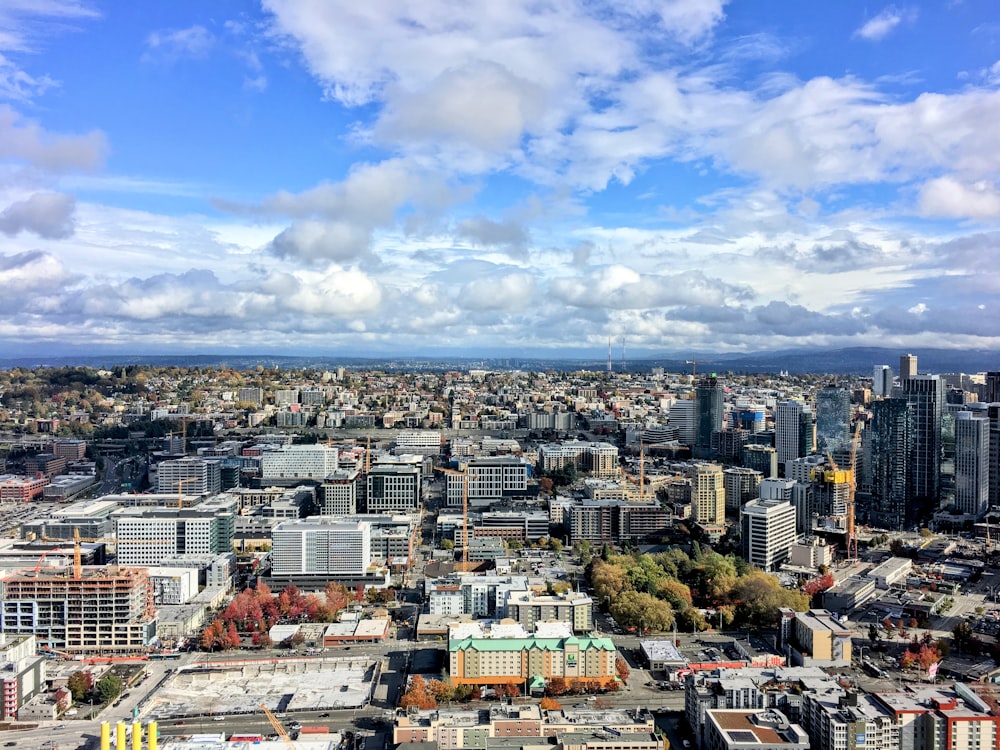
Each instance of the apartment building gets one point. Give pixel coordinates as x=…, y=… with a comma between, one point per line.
x=338, y=495
x=22, y=673
x=768, y=528
x=597, y=459
x=106, y=609
x=530, y=607
x=393, y=488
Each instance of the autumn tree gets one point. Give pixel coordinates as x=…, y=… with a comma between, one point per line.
x=556, y=686
x=79, y=684
x=549, y=704
x=621, y=669
x=440, y=689
x=417, y=695
x=818, y=585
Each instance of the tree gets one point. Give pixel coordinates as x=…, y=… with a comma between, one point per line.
x=556, y=686
x=447, y=544
x=108, y=687
x=621, y=669
x=418, y=695
x=818, y=585
x=79, y=684
x=962, y=636
x=549, y=704
x=440, y=689
x=873, y=633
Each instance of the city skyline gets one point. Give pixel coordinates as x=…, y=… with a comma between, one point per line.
x=301, y=176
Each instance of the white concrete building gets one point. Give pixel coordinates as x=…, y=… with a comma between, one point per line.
x=321, y=545
x=299, y=462
x=489, y=479
x=768, y=532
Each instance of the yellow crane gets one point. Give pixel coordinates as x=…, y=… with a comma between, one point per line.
x=466, y=532
x=278, y=728
x=180, y=489
x=852, y=488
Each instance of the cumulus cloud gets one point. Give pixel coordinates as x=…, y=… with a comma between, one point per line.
x=25, y=140
x=322, y=240
x=947, y=196
x=49, y=215
x=879, y=27
x=621, y=287
x=170, y=45
x=32, y=272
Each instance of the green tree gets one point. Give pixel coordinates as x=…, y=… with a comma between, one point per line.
x=108, y=687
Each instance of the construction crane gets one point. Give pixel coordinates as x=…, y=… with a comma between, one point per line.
x=180, y=489
x=694, y=367
x=277, y=726
x=466, y=533
x=852, y=488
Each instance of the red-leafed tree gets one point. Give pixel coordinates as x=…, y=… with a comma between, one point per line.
x=622, y=670
x=556, y=686
x=549, y=704
x=818, y=585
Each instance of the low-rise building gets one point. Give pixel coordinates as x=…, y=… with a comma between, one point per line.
x=728, y=729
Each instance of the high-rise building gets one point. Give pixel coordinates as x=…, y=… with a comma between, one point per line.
x=768, y=532
x=762, y=458
x=891, y=441
x=972, y=453
x=882, y=380
x=993, y=412
x=907, y=367
x=794, y=432
x=708, y=414
x=107, y=609
x=683, y=417
x=925, y=394
x=338, y=494
x=295, y=462
x=741, y=486
x=321, y=545
x=489, y=479
x=992, y=387
x=708, y=494
x=189, y=476
x=833, y=417
x=146, y=536
x=392, y=488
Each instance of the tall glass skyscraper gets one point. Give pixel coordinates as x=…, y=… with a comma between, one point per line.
x=833, y=417
x=891, y=436
x=708, y=415
x=925, y=394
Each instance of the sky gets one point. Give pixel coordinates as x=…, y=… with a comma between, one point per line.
x=501, y=177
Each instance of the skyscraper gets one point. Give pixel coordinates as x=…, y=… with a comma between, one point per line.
x=972, y=453
x=708, y=494
x=794, y=432
x=993, y=411
x=768, y=532
x=833, y=417
x=992, y=388
x=925, y=394
x=907, y=366
x=882, y=380
x=708, y=415
x=891, y=437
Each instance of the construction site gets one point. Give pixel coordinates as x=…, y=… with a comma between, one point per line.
x=283, y=684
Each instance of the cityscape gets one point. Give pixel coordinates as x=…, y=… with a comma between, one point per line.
x=205, y=556
x=518, y=375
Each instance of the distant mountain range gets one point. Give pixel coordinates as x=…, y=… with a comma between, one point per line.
x=857, y=360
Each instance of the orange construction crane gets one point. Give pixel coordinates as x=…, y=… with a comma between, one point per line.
x=466, y=532
x=852, y=479
x=180, y=489
x=277, y=726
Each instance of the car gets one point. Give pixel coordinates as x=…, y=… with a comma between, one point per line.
x=324, y=716
x=218, y=718
x=10, y=744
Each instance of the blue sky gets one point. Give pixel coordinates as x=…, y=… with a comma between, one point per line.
x=502, y=177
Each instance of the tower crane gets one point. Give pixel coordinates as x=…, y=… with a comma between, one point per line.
x=466, y=533
x=852, y=532
x=180, y=489
x=277, y=726
x=694, y=367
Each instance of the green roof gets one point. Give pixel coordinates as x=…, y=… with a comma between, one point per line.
x=526, y=644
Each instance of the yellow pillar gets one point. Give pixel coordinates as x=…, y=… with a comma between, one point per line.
x=120, y=735
x=136, y=735
x=105, y=736
x=152, y=735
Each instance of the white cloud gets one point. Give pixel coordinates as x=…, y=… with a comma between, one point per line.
x=512, y=291
x=170, y=45
x=25, y=140
x=49, y=215
x=315, y=240
x=946, y=196
x=19, y=85
x=879, y=27
x=24, y=22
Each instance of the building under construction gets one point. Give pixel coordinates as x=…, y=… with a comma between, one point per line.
x=107, y=609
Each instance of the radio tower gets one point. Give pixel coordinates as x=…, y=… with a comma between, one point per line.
x=609, y=356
